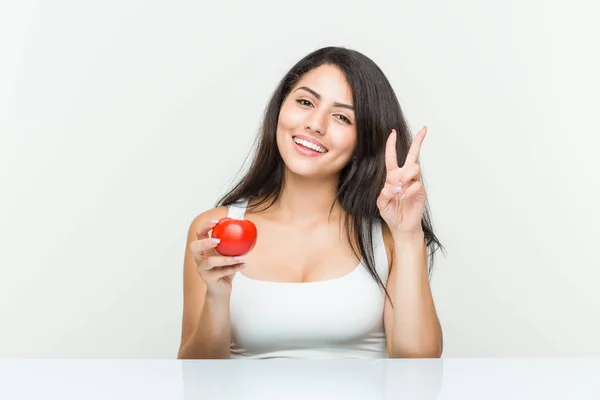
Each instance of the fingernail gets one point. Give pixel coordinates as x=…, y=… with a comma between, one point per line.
x=397, y=189
x=236, y=259
x=215, y=241
x=213, y=221
x=242, y=266
x=403, y=196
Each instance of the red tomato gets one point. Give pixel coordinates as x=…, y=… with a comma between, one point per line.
x=238, y=236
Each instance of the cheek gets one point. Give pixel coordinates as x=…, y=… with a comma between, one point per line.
x=285, y=127
x=289, y=117
x=346, y=142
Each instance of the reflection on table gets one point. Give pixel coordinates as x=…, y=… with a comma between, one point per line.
x=446, y=378
x=313, y=379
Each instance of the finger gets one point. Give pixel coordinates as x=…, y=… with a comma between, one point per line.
x=220, y=272
x=220, y=261
x=402, y=175
x=415, y=148
x=203, y=230
x=385, y=196
x=411, y=189
x=391, y=159
x=198, y=247
x=408, y=173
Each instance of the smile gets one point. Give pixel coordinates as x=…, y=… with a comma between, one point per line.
x=310, y=145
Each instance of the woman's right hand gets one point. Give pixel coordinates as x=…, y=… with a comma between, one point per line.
x=214, y=269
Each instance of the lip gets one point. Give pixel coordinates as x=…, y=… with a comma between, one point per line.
x=312, y=140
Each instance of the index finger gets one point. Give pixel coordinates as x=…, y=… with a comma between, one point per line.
x=202, y=248
x=391, y=159
x=415, y=148
x=203, y=229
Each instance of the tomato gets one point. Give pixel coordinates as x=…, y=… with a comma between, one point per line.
x=238, y=236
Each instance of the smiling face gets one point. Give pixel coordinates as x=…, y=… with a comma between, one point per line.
x=316, y=130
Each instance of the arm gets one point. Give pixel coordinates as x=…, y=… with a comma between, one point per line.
x=205, y=326
x=412, y=326
x=211, y=336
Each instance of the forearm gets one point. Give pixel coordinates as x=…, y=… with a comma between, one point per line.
x=416, y=329
x=212, y=336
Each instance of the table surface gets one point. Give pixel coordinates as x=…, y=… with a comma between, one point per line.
x=446, y=378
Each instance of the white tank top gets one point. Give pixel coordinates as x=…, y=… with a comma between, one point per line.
x=336, y=318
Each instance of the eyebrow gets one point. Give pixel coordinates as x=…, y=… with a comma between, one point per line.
x=318, y=96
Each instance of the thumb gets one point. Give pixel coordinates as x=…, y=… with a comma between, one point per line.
x=385, y=196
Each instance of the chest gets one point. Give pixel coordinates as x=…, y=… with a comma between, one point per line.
x=285, y=253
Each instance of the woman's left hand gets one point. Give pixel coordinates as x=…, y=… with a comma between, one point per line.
x=401, y=202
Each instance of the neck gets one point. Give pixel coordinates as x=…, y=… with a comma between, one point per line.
x=304, y=199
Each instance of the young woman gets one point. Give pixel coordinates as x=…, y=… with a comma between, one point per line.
x=340, y=267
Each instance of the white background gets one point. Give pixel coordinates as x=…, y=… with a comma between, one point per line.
x=120, y=121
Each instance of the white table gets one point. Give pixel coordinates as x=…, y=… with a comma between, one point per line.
x=447, y=378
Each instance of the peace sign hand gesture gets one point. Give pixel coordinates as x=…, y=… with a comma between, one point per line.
x=401, y=202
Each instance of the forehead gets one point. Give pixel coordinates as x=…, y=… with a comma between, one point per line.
x=329, y=81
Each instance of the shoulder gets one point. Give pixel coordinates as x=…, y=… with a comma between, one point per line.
x=202, y=218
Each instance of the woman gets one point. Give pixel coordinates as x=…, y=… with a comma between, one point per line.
x=340, y=265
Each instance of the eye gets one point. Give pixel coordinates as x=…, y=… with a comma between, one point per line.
x=304, y=102
x=344, y=119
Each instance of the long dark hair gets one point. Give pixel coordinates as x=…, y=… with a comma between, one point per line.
x=377, y=112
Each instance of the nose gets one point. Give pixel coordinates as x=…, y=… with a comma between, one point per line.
x=316, y=123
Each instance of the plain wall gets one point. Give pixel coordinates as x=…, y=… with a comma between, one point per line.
x=120, y=121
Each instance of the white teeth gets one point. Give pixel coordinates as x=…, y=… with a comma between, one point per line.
x=310, y=145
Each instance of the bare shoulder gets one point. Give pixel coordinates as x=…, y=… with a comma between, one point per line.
x=213, y=213
x=389, y=244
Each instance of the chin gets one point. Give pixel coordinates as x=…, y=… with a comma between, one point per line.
x=304, y=171
x=311, y=168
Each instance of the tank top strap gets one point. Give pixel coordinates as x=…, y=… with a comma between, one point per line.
x=237, y=210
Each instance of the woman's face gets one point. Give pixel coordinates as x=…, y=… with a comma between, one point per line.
x=316, y=131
